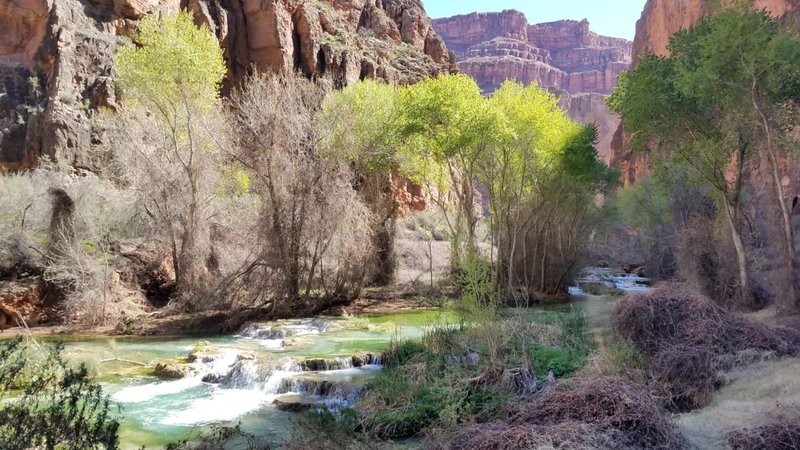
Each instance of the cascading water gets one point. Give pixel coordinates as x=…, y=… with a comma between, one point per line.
x=625, y=282
x=246, y=377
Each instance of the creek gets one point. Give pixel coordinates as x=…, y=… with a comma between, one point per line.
x=260, y=377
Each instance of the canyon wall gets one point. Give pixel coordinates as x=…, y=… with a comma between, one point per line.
x=565, y=57
x=56, y=64
x=660, y=20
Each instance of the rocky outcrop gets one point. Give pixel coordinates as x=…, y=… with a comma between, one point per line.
x=171, y=371
x=660, y=20
x=56, y=56
x=21, y=302
x=563, y=55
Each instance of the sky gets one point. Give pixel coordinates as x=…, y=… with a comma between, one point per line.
x=616, y=18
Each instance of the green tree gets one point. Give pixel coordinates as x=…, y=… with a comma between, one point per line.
x=169, y=137
x=173, y=62
x=45, y=403
x=541, y=174
x=363, y=129
x=719, y=100
x=446, y=125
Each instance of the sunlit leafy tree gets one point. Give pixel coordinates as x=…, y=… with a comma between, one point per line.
x=446, y=125
x=361, y=124
x=170, y=134
x=541, y=173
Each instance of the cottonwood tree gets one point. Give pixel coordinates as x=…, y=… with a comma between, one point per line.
x=360, y=124
x=748, y=66
x=541, y=174
x=169, y=135
x=446, y=125
x=720, y=100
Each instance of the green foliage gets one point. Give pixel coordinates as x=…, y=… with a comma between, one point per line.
x=624, y=356
x=175, y=62
x=699, y=102
x=45, y=403
x=444, y=120
x=477, y=290
x=235, y=181
x=403, y=351
x=363, y=121
x=561, y=362
x=645, y=205
x=454, y=375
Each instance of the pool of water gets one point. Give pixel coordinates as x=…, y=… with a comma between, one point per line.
x=249, y=376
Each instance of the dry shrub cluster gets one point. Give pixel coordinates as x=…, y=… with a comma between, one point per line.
x=781, y=433
x=58, y=225
x=688, y=339
x=312, y=237
x=607, y=412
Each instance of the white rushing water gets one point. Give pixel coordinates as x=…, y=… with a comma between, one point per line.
x=625, y=282
x=256, y=378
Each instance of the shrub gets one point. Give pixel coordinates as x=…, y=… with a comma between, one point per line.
x=606, y=412
x=45, y=403
x=688, y=338
x=780, y=433
x=313, y=237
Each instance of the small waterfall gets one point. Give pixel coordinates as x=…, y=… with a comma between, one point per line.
x=296, y=384
x=283, y=330
x=605, y=277
x=272, y=335
x=328, y=364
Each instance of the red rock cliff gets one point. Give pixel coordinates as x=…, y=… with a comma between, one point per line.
x=563, y=55
x=56, y=63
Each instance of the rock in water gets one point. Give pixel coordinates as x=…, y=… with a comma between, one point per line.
x=171, y=371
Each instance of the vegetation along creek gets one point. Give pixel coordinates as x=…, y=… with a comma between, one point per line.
x=380, y=224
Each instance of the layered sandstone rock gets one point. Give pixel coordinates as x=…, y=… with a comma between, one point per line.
x=563, y=55
x=56, y=56
x=660, y=20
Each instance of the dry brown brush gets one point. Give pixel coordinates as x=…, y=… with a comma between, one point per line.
x=312, y=237
x=688, y=339
x=781, y=433
x=606, y=412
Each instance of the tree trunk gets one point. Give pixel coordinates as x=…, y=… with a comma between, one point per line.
x=792, y=302
x=741, y=255
x=385, y=261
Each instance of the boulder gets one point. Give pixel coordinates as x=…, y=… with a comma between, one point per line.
x=171, y=371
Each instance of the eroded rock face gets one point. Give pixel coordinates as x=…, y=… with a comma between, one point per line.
x=563, y=55
x=21, y=302
x=56, y=56
x=660, y=20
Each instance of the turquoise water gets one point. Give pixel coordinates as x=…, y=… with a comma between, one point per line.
x=157, y=411
x=259, y=371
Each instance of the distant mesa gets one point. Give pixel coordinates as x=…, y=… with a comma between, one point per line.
x=563, y=55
